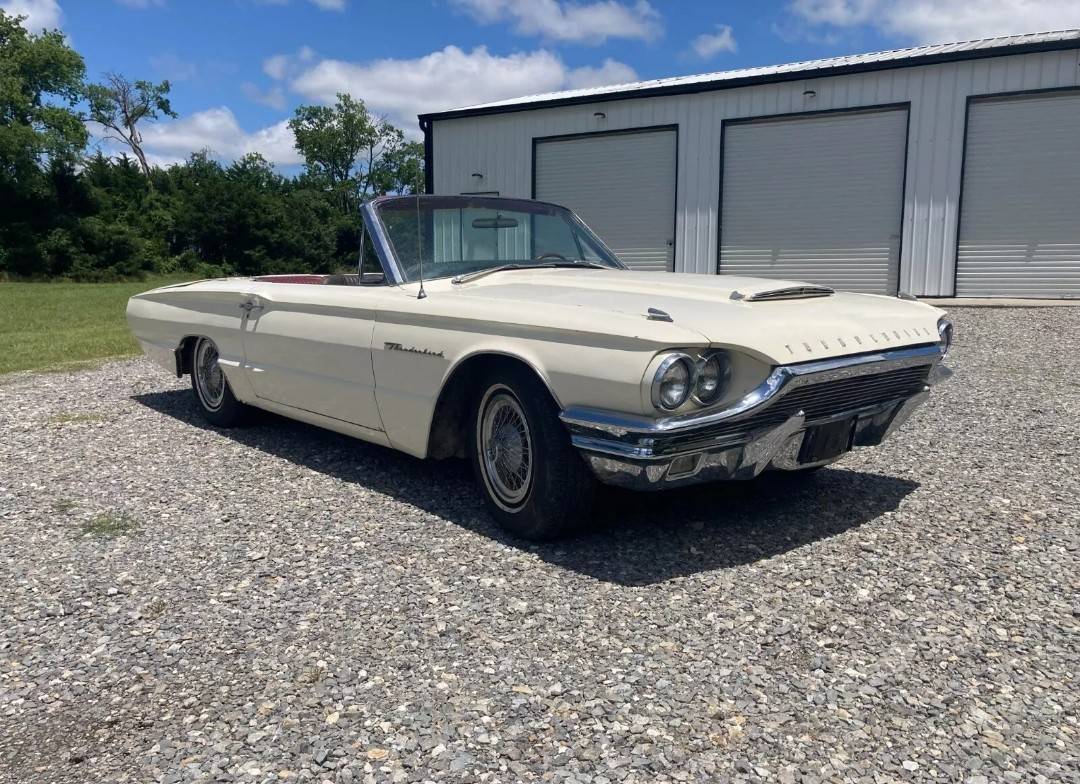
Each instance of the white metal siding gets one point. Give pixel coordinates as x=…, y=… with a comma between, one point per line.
x=815, y=198
x=622, y=185
x=500, y=146
x=1020, y=215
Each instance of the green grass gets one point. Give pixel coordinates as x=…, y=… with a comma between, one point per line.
x=75, y=419
x=62, y=326
x=108, y=525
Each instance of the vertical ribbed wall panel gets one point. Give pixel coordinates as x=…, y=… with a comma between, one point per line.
x=500, y=146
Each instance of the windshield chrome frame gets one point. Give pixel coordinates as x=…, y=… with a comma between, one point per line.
x=381, y=243
x=384, y=248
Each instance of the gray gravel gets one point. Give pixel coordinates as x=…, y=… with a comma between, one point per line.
x=179, y=603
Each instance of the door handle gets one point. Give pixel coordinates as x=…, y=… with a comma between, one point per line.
x=250, y=306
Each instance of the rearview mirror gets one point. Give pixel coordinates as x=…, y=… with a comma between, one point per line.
x=495, y=223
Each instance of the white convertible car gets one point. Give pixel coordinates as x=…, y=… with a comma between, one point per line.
x=505, y=331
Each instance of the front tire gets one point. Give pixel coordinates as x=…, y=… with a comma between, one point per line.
x=212, y=392
x=534, y=482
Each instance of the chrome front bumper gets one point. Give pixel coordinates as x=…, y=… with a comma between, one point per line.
x=768, y=428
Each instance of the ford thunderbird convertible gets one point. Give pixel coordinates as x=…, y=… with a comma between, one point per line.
x=506, y=332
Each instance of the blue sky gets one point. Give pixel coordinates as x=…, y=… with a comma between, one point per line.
x=239, y=67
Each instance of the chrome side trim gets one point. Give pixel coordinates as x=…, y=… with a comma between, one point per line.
x=782, y=378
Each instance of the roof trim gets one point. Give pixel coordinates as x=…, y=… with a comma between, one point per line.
x=914, y=60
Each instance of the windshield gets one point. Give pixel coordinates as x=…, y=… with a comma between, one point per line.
x=458, y=235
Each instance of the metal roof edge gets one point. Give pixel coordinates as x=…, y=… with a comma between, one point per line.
x=913, y=61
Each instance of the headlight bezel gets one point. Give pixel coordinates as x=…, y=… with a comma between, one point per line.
x=661, y=371
x=723, y=377
x=946, y=335
x=695, y=363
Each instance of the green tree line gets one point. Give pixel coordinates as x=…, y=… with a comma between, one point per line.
x=68, y=212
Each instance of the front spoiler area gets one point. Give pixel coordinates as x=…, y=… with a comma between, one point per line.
x=624, y=454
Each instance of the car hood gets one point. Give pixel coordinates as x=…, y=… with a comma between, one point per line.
x=718, y=307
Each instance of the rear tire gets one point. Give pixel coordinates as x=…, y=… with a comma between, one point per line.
x=534, y=482
x=212, y=392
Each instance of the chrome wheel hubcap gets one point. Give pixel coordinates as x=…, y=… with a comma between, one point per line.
x=208, y=373
x=506, y=444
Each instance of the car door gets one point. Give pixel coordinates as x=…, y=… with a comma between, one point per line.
x=309, y=347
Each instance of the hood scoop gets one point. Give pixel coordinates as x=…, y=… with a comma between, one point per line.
x=787, y=292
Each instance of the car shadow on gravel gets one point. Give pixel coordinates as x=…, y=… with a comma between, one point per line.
x=634, y=538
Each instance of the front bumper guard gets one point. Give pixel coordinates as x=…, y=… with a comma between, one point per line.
x=629, y=453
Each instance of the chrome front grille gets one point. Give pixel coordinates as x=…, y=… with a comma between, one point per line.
x=818, y=401
x=829, y=398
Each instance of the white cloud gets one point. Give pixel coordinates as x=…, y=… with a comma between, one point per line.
x=274, y=97
x=218, y=131
x=281, y=66
x=590, y=22
x=39, y=13
x=141, y=3
x=276, y=67
x=609, y=72
x=708, y=45
x=447, y=79
x=940, y=21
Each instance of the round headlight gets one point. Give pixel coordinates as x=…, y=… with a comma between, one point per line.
x=711, y=378
x=945, y=336
x=671, y=384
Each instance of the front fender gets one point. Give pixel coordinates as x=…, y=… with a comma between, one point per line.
x=412, y=364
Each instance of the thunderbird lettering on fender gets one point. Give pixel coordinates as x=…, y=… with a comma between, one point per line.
x=411, y=349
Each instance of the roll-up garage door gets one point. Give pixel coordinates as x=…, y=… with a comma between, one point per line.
x=1020, y=208
x=621, y=184
x=816, y=198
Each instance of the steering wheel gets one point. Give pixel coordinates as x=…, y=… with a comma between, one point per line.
x=552, y=255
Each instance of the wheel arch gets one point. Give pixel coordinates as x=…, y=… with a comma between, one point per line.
x=183, y=352
x=447, y=434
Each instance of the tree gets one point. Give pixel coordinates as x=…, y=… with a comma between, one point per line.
x=40, y=83
x=40, y=134
x=63, y=215
x=402, y=167
x=119, y=105
x=355, y=154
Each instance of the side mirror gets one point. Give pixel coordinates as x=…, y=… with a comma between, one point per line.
x=372, y=278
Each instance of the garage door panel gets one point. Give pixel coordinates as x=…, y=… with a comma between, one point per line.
x=1020, y=209
x=815, y=198
x=622, y=185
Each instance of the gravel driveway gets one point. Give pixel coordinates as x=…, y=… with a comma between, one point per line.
x=180, y=603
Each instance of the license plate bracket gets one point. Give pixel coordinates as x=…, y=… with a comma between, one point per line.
x=827, y=441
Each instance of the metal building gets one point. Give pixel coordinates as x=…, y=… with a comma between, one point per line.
x=937, y=170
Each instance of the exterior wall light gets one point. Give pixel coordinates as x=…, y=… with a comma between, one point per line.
x=809, y=93
x=599, y=115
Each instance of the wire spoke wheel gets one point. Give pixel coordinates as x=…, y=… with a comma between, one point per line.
x=209, y=377
x=506, y=447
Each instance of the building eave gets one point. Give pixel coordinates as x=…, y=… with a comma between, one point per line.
x=706, y=86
